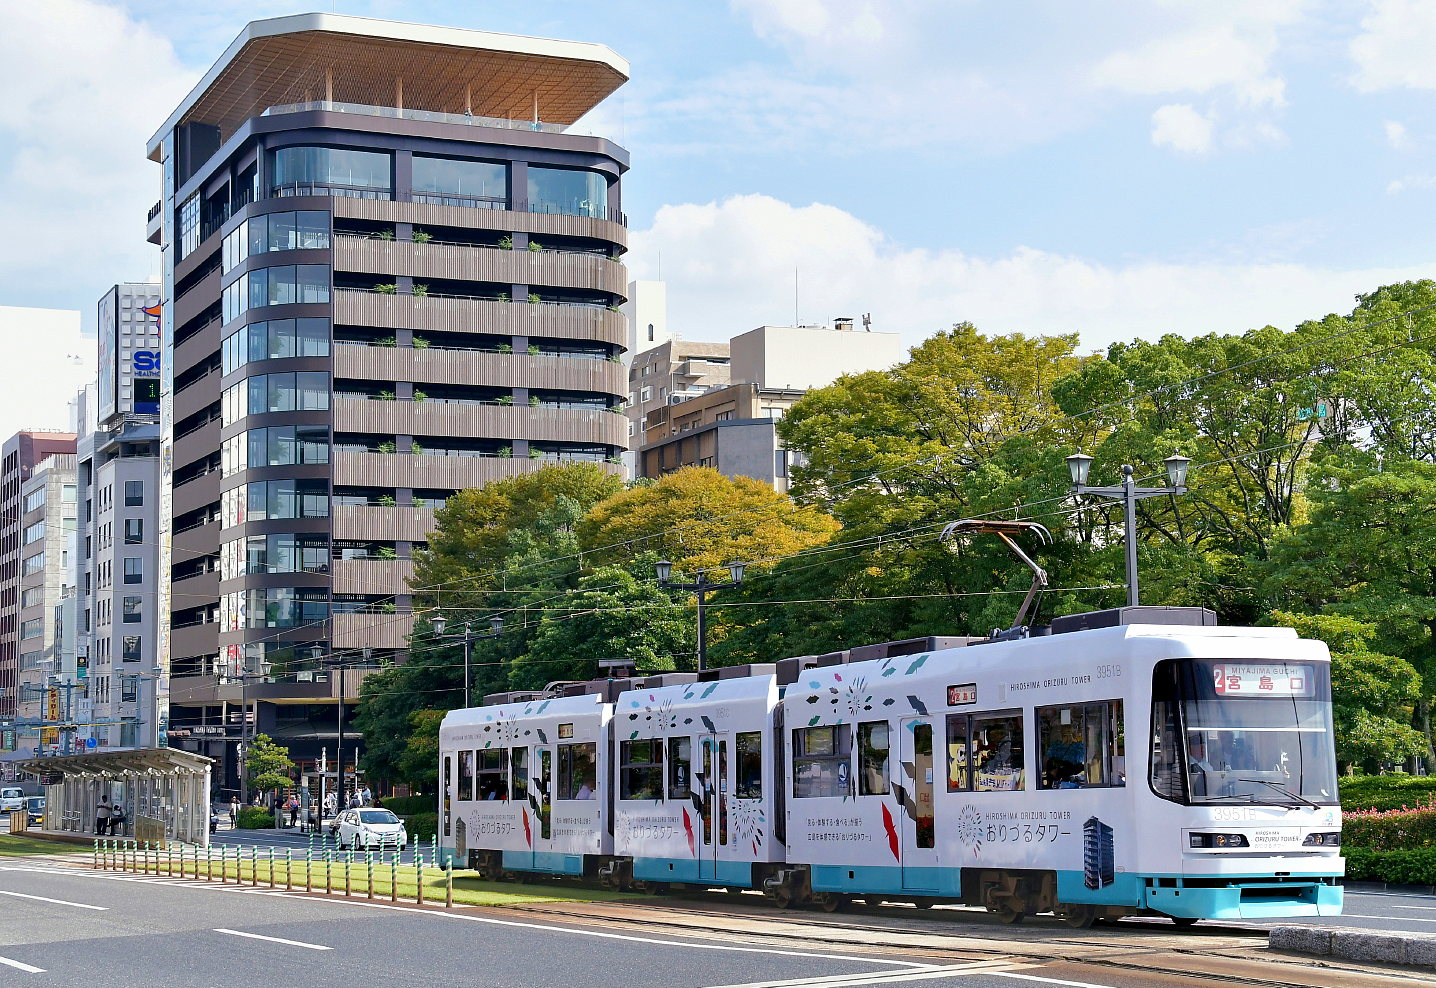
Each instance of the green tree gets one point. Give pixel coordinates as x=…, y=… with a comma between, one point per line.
x=419, y=763
x=267, y=764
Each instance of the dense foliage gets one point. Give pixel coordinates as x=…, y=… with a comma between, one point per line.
x=1312, y=486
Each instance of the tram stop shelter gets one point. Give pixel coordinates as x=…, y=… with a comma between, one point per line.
x=165, y=793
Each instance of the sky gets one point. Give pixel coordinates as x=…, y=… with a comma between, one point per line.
x=1115, y=169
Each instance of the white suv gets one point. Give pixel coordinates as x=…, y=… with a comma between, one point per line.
x=12, y=798
x=370, y=826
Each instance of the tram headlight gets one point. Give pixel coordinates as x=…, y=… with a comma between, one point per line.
x=1219, y=840
x=1322, y=840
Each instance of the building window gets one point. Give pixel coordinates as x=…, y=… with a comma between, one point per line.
x=134, y=531
x=646, y=394
x=274, y=499
x=31, y=661
x=34, y=501
x=780, y=463
x=130, y=648
x=134, y=569
x=451, y=182
x=34, y=628
x=286, y=284
x=33, y=597
x=134, y=493
x=307, y=171
x=67, y=493
x=567, y=191
x=33, y=533
x=133, y=613
x=275, y=340
x=650, y=332
x=305, y=229
x=189, y=225
x=33, y=564
x=281, y=445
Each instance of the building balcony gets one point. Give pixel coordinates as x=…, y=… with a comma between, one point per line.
x=433, y=365
x=373, y=630
x=536, y=224
x=386, y=259
x=372, y=576
x=474, y=315
x=408, y=470
x=363, y=523
x=435, y=418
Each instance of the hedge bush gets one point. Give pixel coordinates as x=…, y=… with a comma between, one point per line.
x=255, y=818
x=422, y=825
x=406, y=805
x=1389, y=830
x=1402, y=867
x=1386, y=792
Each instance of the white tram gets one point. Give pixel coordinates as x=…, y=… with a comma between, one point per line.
x=990, y=772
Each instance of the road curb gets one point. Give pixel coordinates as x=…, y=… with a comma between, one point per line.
x=1408, y=949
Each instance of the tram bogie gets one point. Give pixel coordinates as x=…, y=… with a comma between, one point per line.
x=1009, y=775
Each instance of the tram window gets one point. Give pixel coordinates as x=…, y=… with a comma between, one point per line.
x=493, y=774
x=680, y=767
x=448, y=788
x=546, y=799
x=984, y=752
x=576, y=771
x=822, y=760
x=959, y=779
x=519, y=773
x=466, y=775
x=873, y=759
x=750, y=766
x=1081, y=745
x=1168, y=779
x=641, y=775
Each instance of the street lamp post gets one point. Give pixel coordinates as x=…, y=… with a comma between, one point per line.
x=439, y=623
x=1078, y=465
x=700, y=588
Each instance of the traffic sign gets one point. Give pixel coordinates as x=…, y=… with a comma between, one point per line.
x=91, y=743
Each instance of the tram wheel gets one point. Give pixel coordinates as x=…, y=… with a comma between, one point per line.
x=1080, y=917
x=924, y=902
x=734, y=890
x=829, y=902
x=1006, y=914
x=782, y=897
x=1184, y=921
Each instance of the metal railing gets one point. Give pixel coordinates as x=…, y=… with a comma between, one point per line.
x=430, y=116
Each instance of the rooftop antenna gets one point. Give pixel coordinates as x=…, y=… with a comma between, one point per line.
x=1004, y=530
x=795, y=296
x=867, y=322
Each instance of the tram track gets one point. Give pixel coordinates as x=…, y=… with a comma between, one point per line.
x=1195, y=962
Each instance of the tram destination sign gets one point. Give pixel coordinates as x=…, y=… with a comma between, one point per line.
x=1262, y=679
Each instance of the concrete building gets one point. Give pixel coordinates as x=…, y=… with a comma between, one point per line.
x=390, y=274
x=722, y=411
x=19, y=457
x=47, y=677
x=116, y=569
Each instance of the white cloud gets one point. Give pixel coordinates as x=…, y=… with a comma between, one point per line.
x=1181, y=128
x=1396, y=134
x=1394, y=49
x=729, y=267
x=1194, y=61
x=84, y=87
x=1411, y=182
x=822, y=22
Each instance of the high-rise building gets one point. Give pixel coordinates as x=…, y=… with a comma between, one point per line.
x=391, y=272
x=19, y=456
x=115, y=565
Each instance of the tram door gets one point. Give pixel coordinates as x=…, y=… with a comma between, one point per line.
x=919, y=833
x=713, y=799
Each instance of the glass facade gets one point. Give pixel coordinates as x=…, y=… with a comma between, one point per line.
x=275, y=607
x=267, y=499
x=331, y=172
x=275, y=340
x=451, y=182
x=189, y=225
x=280, y=445
x=303, y=229
x=567, y=191
x=301, y=391
x=286, y=284
x=286, y=553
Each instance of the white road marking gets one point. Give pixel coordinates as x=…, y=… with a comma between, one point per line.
x=58, y=902
x=597, y=934
x=894, y=977
x=22, y=967
x=1389, y=919
x=292, y=943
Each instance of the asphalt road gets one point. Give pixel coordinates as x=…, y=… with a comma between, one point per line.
x=295, y=841
x=62, y=927
x=1389, y=912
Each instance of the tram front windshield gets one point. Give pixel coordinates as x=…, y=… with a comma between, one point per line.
x=1243, y=731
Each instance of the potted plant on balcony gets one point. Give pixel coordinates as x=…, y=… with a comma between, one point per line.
x=506, y=242
x=419, y=291
x=421, y=237
x=535, y=246
x=386, y=500
x=535, y=298
x=387, y=288
x=387, y=446
x=420, y=343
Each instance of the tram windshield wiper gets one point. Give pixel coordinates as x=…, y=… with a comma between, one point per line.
x=1301, y=800
x=1230, y=795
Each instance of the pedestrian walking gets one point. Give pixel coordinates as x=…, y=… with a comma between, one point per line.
x=233, y=812
x=293, y=808
x=366, y=797
x=103, y=811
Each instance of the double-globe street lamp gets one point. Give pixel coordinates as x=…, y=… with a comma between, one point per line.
x=1078, y=465
x=700, y=588
x=439, y=623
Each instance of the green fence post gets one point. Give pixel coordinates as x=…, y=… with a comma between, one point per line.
x=369, y=869
x=288, y=870
x=394, y=879
x=348, y=861
x=449, y=885
x=420, y=871
x=328, y=873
